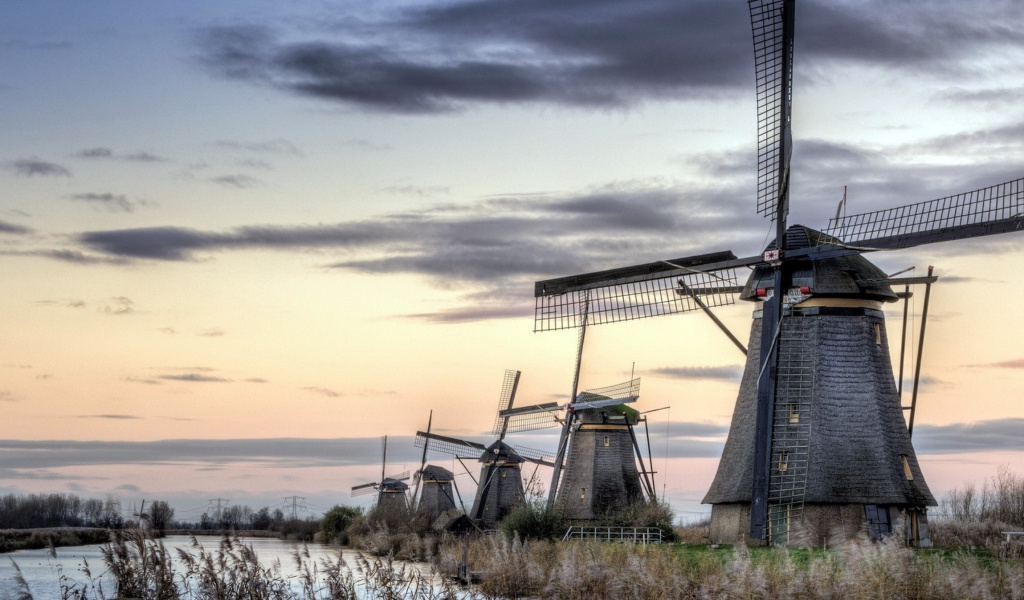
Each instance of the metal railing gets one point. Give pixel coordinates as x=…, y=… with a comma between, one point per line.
x=636, y=535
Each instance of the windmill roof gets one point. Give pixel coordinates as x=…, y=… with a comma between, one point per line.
x=391, y=484
x=621, y=413
x=499, y=450
x=838, y=276
x=434, y=472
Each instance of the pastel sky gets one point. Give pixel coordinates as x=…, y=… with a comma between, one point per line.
x=242, y=240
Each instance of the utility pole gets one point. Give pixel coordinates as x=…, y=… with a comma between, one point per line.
x=218, y=511
x=297, y=502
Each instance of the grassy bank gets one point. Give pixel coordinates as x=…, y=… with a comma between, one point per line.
x=859, y=569
x=33, y=539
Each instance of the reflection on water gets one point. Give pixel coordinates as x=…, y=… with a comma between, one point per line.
x=43, y=572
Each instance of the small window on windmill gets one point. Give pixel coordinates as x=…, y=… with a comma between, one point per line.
x=503, y=474
x=794, y=413
x=906, y=467
x=878, y=521
x=583, y=492
x=607, y=441
x=878, y=334
x=783, y=461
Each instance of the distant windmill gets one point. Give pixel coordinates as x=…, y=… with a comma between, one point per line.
x=599, y=447
x=433, y=494
x=390, y=489
x=500, y=486
x=818, y=442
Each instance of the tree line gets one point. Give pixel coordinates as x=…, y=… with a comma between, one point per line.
x=34, y=511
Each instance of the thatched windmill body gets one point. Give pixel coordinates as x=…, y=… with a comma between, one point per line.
x=599, y=447
x=818, y=447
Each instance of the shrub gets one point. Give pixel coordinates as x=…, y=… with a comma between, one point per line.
x=533, y=520
x=335, y=522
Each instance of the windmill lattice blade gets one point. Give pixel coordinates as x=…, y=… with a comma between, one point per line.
x=365, y=489
x=627, y=391
x=533, y=422
x=774, y=85
x=399, y=476
x=505, y=399
x=635, y=298
x=987, y=211
x=533, y=455
x=449, y=445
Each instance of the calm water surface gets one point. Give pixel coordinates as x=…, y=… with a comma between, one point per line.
x=43, y=572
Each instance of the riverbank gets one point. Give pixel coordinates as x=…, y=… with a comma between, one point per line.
x=50, y=537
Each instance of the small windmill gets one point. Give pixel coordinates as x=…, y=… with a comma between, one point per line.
x=500, y=486
x=818, y=438
x=391, y=489
x=433, y=491
x=595, y=470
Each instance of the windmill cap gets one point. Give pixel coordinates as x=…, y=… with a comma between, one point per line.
x=499, y=450
x=434, y=472
x=850, y=276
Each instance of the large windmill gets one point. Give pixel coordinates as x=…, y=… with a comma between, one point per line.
x=390, y=489
x=818, y=444
x=500, y=486
x=595, y=470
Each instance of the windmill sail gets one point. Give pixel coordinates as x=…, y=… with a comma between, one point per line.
x=533, y=418
x=772, y=22
x=986, y=211
x=637, y=292
x=508, y=395
x=620, y=393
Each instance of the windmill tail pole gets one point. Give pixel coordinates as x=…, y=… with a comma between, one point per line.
x=920, y=353
x=707, y=311
x=650, y=460
x=903, y=342
x=423, y=463
x=567, y=426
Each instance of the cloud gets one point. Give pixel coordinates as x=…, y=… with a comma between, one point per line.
x=76, y=257
x=101, y=152
x=471, y=314
x=211, y=333
x=236, y=181
x=96, y=153
x=498, y=237
x=167, y=330
x=112, y=202
x=194, y=378
x=418, y=190
x=256, y=380
x=324, y=391
x=29, y=167
x=118, y=306
x=367, y=145
x=7, y=227
x=1017, y=363
x=44, y=377
x=7, y=396
x=274, y=146
x=437, y=59
x=145, y=380
x=110, y=417
x=272, y=452
x=982, y=436
x=603, y=53
x=729, y=373
x=128, y=487
x=142, y=156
